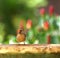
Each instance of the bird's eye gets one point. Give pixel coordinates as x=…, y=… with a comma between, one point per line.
x=20, y=31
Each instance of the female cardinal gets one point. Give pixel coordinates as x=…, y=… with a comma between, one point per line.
x=21, y=34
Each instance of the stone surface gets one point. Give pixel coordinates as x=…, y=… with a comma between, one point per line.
x=21, y=48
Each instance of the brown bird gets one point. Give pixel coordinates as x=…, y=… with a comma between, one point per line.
x=21, y=34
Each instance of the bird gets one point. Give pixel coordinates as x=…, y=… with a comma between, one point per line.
x=21, y=34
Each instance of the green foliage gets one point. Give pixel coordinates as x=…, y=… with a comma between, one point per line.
x=23, y=8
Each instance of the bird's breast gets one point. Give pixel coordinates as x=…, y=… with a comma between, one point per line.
x=20, y=37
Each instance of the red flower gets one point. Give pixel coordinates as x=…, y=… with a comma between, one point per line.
x=42, y=11
x=29, y=24
x=51, y=10
x=46, y=25
x=48, y=39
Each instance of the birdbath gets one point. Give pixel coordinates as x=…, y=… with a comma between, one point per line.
x=25, y=51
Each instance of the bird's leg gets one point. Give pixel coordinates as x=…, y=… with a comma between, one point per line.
x=18, y=43
x=24, y=42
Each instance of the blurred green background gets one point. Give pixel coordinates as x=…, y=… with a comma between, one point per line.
x=12, y=11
